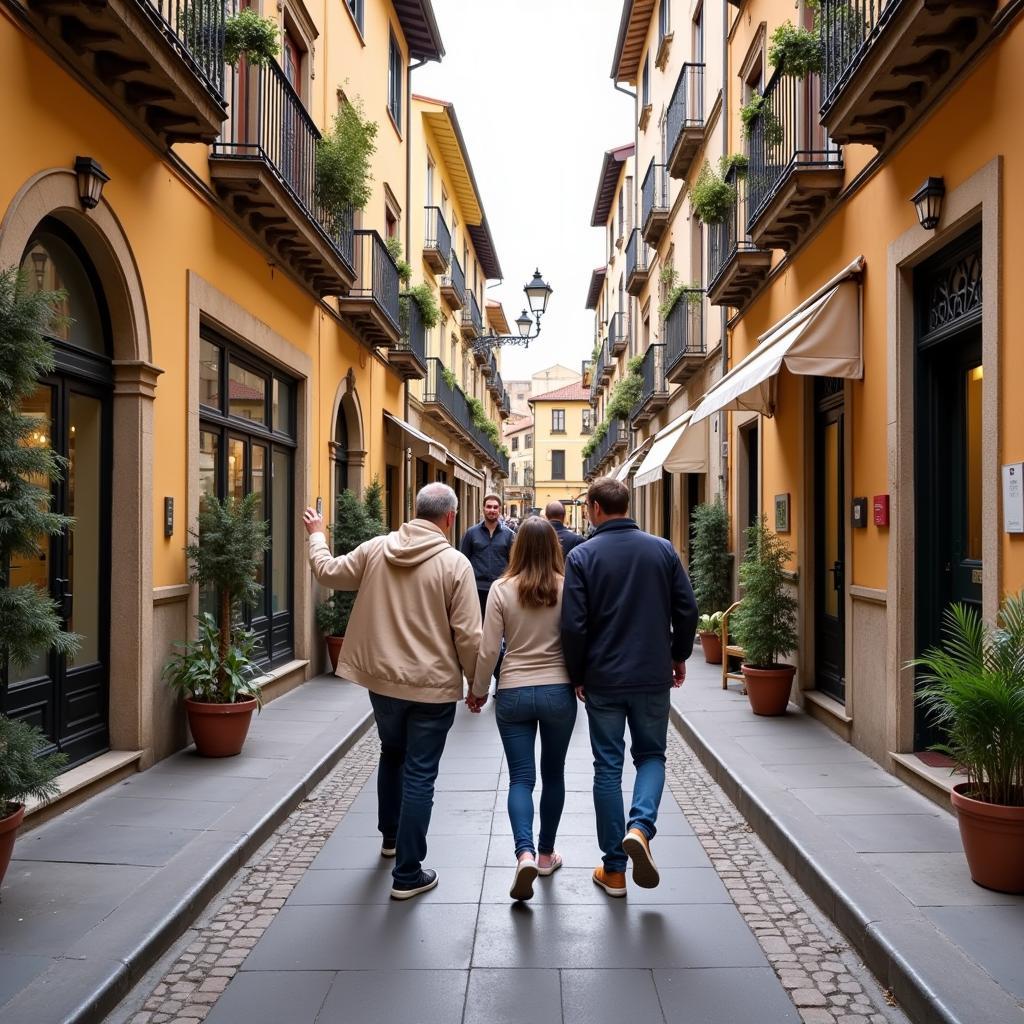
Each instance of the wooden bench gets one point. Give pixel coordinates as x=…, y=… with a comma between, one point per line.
x=730, y=650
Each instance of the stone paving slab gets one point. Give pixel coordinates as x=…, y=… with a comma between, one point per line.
x=882, y=861
x=94, y=896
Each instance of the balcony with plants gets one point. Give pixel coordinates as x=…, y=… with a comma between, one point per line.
x=293, y=190
x=418, y=314
x=652, y=394
x=159, y=63
x=736, y=266
x=638, y=262
x=453, y=284
x=682, y=313
x=472, y=322
x=611, y=435
x=437, y=240
x=655, y=203
x=684, y=127
x=464, y=415
x=372, y=306
x=884, y=63
x=618, y=333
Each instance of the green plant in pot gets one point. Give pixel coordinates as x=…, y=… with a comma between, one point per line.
x=764, y=625
x=248, y=35
x=343, y=158
x=711, y=573
x=215, y=672
x=30, y=622
x=973, y=689
x=355, y=522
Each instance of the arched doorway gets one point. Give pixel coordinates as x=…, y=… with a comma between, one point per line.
x=68, y=697
x=347, y=451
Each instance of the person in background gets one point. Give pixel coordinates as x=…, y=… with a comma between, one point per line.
x=410, y=577
x=555, y=515
x=628, y=622
x=534, y=694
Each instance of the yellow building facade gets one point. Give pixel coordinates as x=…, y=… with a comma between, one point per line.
x=518, y=434
x=229, y=335
x=563, y=422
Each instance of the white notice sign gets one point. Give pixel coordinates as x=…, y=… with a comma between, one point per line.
x=1013, y=497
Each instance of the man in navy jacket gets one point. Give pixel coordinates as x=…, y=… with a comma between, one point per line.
x=555, y=515
x=628, y=622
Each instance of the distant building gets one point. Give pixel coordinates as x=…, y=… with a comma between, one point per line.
x=518, y=438
x=563, y=423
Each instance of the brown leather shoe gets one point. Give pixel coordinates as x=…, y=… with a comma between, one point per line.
x=645, y=871
x=613, y=882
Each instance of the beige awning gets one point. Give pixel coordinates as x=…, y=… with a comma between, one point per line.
x=465, y=472
x=422, y=444
x=623, y=472
x=681, y=447
x=820, y=338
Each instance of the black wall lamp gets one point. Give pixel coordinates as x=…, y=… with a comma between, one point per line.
x=91, y=179
x=928, y=202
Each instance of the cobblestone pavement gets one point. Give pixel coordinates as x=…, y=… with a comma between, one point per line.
x=822, y=977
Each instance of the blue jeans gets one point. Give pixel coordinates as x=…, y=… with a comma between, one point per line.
x=520, y=711
x=647, y=715
x=412, y=738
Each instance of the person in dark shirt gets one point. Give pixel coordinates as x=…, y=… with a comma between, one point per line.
x=628, y=622
x=555, y=514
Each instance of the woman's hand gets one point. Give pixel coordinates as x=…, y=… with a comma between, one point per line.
x=475, y=704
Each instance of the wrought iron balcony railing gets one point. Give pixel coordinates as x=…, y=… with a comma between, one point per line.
x=654, y=394
x=638, y=262
x=409, y=355
x=453, y=284
x=372, y=302
x=684, y=128
x=472, y=321
x=437, y=240
x=736, y=266
x=617, y=437
x=618, y=333
x=685, y=346
x=654, y=202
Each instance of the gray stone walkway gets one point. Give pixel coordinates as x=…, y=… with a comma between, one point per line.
x=885, y=863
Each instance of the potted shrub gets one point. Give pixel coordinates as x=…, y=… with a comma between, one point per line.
x=215, y=672
x=974, y=691
x=343, y=162
x=765, y=622
x=354, y=523
x=711, y=196
x=248, y=35
x=711, y=573
x=709, y=629
x=23, y=774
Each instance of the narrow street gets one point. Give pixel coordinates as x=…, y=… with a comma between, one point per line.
x=306, y=932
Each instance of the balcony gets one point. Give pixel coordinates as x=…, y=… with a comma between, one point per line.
x=737, y=267
x=453, y=284
x=605, y=367
x=437, y=240
x=615, y=440
x=490, y=371
x=654, y=395
x=685, y=347
x=884, y=62
x=685, y=121
x=447, y=404
x=505, y=406
x=638, y=263
x=159, y=63
x=795, y=169
x=372, y=306
x=472, y=321
x=618, y=334
x=409, y=355
x=264, y=168
x=655, y=204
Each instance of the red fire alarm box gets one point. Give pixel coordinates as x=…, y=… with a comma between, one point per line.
x=880, y=507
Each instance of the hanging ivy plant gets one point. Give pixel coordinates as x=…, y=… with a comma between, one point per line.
x=247, y=34
x=754, y=109
x=737, y=163
x=797, y=51
x=711, y=197
x=343, y=161
x=689, y=292
x=430, y=311
x=627, y=391
x=394, y=244
x=449, y=378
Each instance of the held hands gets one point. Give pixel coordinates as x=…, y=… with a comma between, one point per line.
x=475, y=704
x=678, y=674
x=313, y=521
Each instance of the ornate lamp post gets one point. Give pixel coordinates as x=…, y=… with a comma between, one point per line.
x=538, y=291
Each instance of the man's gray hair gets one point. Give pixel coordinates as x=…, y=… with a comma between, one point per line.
x=435, y=501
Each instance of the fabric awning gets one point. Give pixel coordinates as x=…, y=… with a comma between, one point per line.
x=465, y=472
x=421, y=443
x=681, y=447
x=820, y=338
x=623, y=472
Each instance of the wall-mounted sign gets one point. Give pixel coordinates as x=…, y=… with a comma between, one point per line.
x=1013, y=497
x=782, y=513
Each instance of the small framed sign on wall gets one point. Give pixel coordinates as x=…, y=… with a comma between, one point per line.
x=782, y=513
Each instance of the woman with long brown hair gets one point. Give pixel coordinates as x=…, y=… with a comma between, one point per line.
x=534, y=693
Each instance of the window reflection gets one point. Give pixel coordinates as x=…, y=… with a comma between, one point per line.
x=247, y=394
x=209, y=374
x=972, y=545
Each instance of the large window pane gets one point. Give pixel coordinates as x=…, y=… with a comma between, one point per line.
x=259, y=486
x=209, y=447
x=247, y=394
x=209, y=374
x=236, y=469
x=282, y=402
x=972, y=546
x=280, y=531
x=84, y=480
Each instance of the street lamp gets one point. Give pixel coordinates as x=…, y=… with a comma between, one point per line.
x=538, y=291
x=927, y=201
x=91, y=179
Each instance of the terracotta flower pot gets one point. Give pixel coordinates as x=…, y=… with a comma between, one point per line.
x=993, y=838
x=768, y=688
x=8, y=830
x=334, y=645
x=219, y=729
x=712, y=645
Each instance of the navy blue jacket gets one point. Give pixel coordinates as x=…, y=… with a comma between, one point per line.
x=628, y=611
x=567, y=538
x=487, y=553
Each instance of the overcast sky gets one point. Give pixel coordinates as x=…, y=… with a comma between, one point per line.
x=531, y=86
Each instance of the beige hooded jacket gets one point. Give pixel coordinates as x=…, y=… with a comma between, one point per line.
x=415, y=627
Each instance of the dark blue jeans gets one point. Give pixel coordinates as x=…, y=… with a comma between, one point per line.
x=647, y=716
x=520, y=712
x=412, y=738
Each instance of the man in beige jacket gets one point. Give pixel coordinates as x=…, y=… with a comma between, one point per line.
x=414, y=633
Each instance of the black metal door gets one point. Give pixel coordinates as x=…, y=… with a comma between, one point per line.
x=67, y=698
x=829, y=539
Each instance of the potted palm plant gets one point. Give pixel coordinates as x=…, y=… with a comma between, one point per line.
x=355, y=521
x=974, y=691
x=711, y=572
x=215, y=672
x=765, y=622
